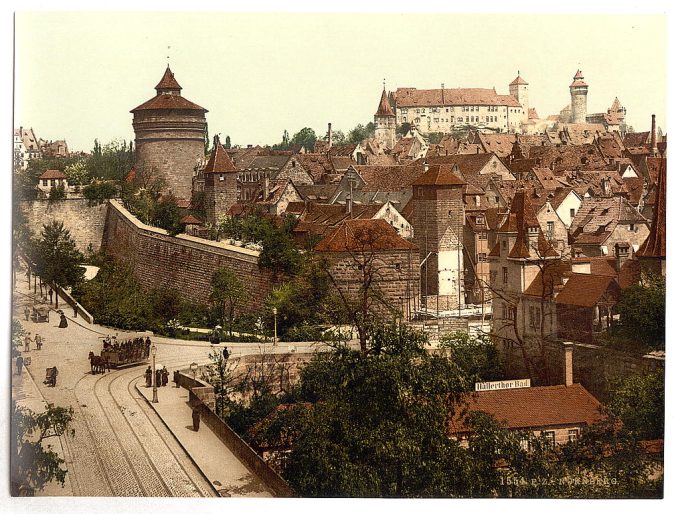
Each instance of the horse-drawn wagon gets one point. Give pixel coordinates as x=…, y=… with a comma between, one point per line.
x=115, y=355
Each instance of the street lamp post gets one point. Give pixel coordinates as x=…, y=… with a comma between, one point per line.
x=153, y=374
x=274, y=310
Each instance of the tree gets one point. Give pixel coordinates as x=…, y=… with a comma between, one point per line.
x=475, y=355
x=227, y=291
x=33, y=465
x=643, y=312
x=305, y=137
x=57, y=193
x=638, y=401
x=360, y=133
x=76, y=173
x=57, y=259
x=285, y=142
x=404, y=129
x=99, y=192
x=220, y=374
x=166, y=214
x=227, y=142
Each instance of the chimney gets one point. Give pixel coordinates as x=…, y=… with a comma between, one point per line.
x=622, y=252
x=606, y=187
x=426, y=166
x=654, y=149
x=568, y=363
x=265, y=187
x=348, y=205
x=330, y=136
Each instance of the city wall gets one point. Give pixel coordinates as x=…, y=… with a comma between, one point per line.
x=86, y=224
x=593, y=366
x=183, y=262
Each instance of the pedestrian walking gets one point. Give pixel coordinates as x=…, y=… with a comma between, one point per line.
x=63, y=323
x=38, y=342
x=196, y=418
x=20, y=364
x=147, y=373
x=27, y=342
x=164, y=376
x=158, y=377
x=225, y=353
x=27, y=312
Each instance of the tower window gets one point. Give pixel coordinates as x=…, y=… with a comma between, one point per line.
x=222, y=177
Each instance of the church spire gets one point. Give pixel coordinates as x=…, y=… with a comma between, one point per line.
x=384, y=108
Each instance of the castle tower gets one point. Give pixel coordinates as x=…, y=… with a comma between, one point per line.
x=221, y=189
x=385, y=123
x=519, y=88
x=579, y=99
x=438, y=219
x=169, y=136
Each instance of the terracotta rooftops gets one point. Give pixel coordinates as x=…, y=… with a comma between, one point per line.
x=168, y=82
x=219, y=161
x=190, y=219
x=519, y=81
x=655, y=244
x=52, y=174
x=412, y=97
x=533, y=407
x=585, y=290
x=388, y=178
x=169, y=102
x=364, y=236
x=384, y=108
x=438, y=176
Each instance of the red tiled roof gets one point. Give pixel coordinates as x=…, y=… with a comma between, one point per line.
x=364, y=236
x=388, y=178
x=384, y=108
x=438, y=176
x=190, y=219
x=169, y=102
x=168, y=81
x=52, y=174
x=655, y=244
x=533, y=407
x=533, y=115
x=549, y=281
x=585, y=290
x=219, y=161
x=412, y=97
x=519, y=81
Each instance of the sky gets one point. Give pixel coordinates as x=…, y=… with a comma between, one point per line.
x=78, y=74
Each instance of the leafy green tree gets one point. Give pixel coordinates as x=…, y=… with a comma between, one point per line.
x=435, y=137
x=76, y=173
x=285, y=142
x=167, y=215
x=112, y=161
x=361, y=132
x=643, y=312
x=32, y=464
x=57, y=259
x=221, y=377
x=99, y=192
x=305, y=137
x=226, y=293
x=339, y=137
x=638, y=401
x=57, y=193
x=404, y=128
x=227, y=142
x=475, y=355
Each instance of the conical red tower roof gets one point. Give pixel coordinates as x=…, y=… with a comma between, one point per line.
x=168, y=82
x=384, y=108
x=219, y=161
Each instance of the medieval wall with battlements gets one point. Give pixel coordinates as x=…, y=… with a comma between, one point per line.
x=85, y=223
x=184, y=262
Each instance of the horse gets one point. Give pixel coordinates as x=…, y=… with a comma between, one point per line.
x=97, y=363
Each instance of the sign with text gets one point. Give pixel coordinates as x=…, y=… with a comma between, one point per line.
x=503, y=384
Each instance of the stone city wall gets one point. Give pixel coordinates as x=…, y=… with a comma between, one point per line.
x=183, y=262
x=86, y=224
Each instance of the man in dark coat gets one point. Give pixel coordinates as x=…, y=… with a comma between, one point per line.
x=63, y=323
x=158, y=377
x=20, y=364
x=225, y=353
x=196, y=418
x=147, y=374
x=164, y=376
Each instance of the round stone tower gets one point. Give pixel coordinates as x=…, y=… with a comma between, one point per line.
x=385, y=123
x=519, y=88
x=579, y=99
x=169, y=136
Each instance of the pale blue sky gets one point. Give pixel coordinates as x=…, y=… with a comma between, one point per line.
x=79, y=74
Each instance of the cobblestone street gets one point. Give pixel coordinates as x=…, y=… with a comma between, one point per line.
x=120, y=446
